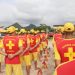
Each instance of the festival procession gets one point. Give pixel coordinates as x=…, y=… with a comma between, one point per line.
x=31, y=52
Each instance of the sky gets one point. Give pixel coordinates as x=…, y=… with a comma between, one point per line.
x=50, y=12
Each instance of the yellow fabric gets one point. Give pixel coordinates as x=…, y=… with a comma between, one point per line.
x=17, y=70
x=1, y=43
x=57, y=55
x=20, y=43
x=53, y=41
x=44, y=44
x=31, y=57
x=28, y=41
x=70, y=54
x=27, y=60
x=1, y=46
x=34, y=56
x=37, y=40
x=38, y=49
x=41, y=48
x=1, y=57
x=10, y=44
x=21, y=59
x=55, y=73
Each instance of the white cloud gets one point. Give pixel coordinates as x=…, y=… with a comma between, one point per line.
x=7, y=12
x=37, y=11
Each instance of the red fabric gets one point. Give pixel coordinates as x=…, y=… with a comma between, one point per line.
x=57, y=36
x=15, y=48
x=46, y=41
x=38, y=37
x=66, y=69
x=15, y=60
x=32, y=44
x=14, y=40
x=63, y=46
x=42, y=36
x=24, y=38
